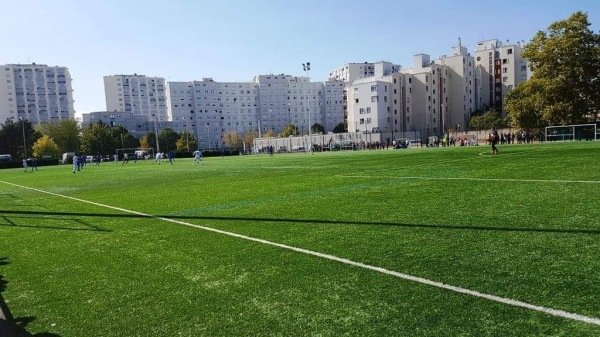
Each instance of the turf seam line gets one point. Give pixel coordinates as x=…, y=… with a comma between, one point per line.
x=503, y=300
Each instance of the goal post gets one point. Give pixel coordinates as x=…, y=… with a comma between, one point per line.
x=571, y=132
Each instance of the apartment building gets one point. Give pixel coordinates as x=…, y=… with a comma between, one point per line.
x=35, y=92
x=137, y=94
x=499, y=67
x=209, y=109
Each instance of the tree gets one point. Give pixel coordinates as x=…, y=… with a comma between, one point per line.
x=97, y=139
x=168, y=139
x=123, y=138
x=249, y=137
x=565, y=60
x=232, y=139
x=186, y=142
x=488, y=120
x=11, y=138
x=289, y=130
x=64, y=133
x=317, y=128
x=524, y=105
x=148, y=141
x=340, y=128
x=45, y=146
x=269, y=134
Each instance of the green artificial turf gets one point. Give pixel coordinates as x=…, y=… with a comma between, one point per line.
x=523, y=224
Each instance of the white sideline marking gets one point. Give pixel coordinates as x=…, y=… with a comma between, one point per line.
x=481, y=179
x=504, y=300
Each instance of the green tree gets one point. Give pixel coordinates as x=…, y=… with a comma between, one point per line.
x=123, y=138
x=289, y=130
x=340, y=128
x=97, y=139
x=317, y=128
x=232, y=139
x=45, y=146
x=148, y=141
x=11, y=138
x=64, y=133
x=565, y=60
x=488, y=120
x=186, y=142
x=524, y=105
x=168, y=139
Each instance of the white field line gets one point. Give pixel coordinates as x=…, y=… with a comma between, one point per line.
x=508, y=301
x=479, y=179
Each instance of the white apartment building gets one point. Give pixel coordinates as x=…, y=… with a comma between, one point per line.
x=136, y=94
x=458, y=83
x=499, y=69
x=35, y=92
x=353, y=71
x=209, y=109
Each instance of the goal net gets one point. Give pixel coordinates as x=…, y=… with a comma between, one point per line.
x=571, y=132
x=138, y=153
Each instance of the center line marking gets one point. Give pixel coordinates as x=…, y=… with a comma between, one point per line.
x=504, y=300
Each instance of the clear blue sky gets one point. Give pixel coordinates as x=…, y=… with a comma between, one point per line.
x=234, y=40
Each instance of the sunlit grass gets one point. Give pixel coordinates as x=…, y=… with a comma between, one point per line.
x=523, y=224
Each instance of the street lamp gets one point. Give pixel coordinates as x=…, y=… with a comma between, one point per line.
x=24, y=141
x=306, y=67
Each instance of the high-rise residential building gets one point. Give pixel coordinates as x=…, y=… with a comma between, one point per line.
x=500, y=67
x=208, y=109
x=35, y=92
x=137, y=94
x=353, y=71
x=458, y=86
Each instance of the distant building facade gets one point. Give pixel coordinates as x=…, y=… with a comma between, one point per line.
x=137, y=95
x=35, y=92
x=499, y=67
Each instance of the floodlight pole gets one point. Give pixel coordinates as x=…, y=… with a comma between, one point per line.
x=306, y=67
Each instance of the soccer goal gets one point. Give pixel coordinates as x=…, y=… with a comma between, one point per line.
x=571, y=132
x=138, y=153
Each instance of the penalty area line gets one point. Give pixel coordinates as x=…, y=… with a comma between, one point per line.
x=503, y=300
x=478, y=179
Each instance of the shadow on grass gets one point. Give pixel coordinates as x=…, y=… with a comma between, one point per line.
x=88, y=226
x=306, y=221
x=14, y=326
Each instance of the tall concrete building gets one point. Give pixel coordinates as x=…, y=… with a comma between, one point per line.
x=458, y=84
x=35, y=92
x=208, y=109
x=499, y=67
x=137, y=94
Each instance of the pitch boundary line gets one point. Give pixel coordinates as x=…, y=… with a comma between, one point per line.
x=408, y=277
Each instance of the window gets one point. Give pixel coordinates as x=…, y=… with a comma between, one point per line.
x=373, y=88
x=509, y=51
x=356, y=100
x=374, y=99
x=368, y=110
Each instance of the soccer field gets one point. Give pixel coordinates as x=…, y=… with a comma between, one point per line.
x=419, y=242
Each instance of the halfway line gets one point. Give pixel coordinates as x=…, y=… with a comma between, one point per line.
x=508, y=301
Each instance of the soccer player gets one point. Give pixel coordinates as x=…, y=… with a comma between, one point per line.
x=197, y=157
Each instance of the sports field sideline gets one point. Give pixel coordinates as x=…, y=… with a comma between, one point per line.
x=419, y=242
